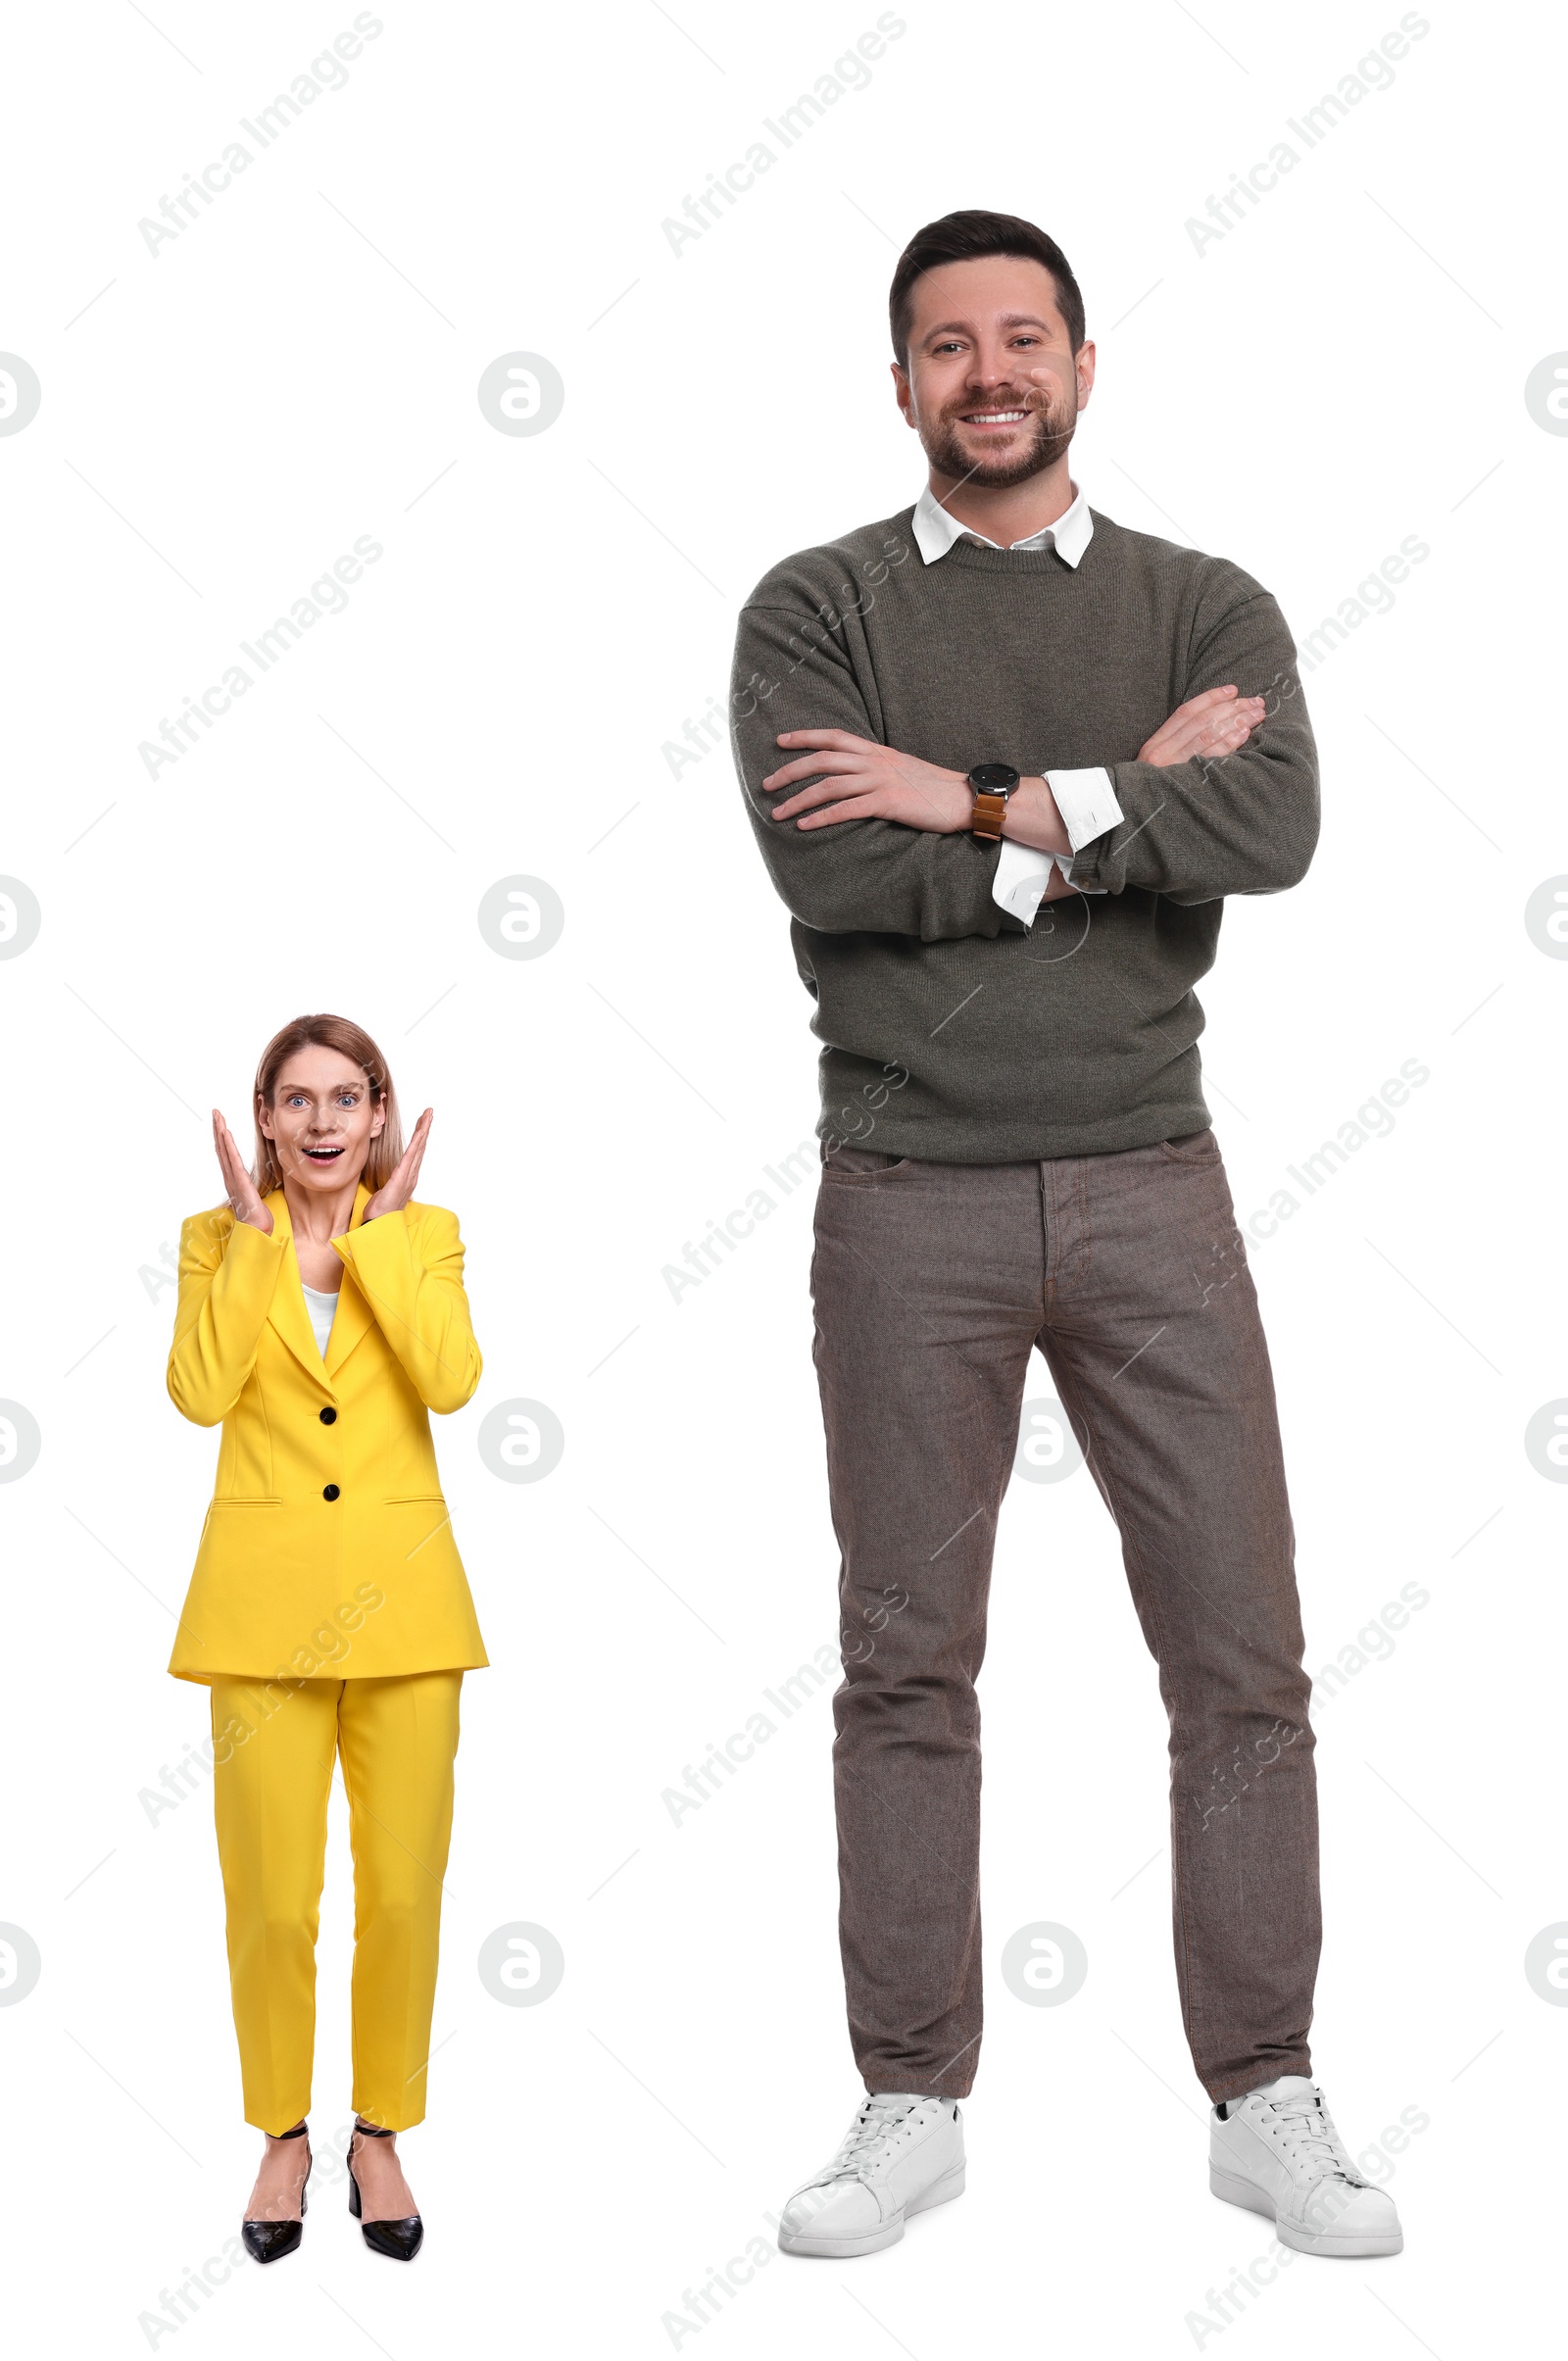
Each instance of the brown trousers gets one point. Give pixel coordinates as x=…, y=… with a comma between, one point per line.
x=931, y=1284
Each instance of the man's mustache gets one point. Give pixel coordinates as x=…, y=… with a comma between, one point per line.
x=1034, y=400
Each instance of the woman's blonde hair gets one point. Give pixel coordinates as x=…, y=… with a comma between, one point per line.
x=350, y=1041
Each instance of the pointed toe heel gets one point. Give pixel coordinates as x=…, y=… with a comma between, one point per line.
x=269, y=2241
x=401, y=2240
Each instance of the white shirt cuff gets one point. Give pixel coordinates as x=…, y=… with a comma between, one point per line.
x=1021, y=879
x=1087, y=802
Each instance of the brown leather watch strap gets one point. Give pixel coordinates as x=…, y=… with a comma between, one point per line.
x=990, y=810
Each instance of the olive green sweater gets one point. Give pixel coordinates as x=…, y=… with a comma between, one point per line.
x=951, y=1030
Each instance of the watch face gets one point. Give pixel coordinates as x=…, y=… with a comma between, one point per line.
x=994, y=778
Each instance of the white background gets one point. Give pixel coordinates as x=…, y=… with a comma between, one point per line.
x=219, y=422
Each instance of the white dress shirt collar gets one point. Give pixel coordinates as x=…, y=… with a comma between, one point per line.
x=935, y=531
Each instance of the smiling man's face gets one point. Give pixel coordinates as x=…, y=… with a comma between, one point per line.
x=323, y=1119
x=992, y=384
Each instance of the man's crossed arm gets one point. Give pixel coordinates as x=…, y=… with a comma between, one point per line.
x=854, y=778
x=860, y=837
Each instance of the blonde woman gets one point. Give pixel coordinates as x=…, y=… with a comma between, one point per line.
x=321, y=1317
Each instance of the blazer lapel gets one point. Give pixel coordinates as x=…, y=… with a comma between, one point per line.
x=353, y=1317
x=288, y=1314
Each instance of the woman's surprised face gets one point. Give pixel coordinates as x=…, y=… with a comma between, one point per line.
x=321, y=1121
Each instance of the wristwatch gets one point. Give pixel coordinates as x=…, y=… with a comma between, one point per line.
x=993, y=783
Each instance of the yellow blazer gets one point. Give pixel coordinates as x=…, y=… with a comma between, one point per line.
x=327, y=1551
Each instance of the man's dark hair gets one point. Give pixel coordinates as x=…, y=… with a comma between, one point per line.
x=962, y=237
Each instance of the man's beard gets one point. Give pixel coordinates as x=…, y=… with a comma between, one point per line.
x=1052, y=432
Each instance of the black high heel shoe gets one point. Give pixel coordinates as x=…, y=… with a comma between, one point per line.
x=403, y=2239
x=269, y=2241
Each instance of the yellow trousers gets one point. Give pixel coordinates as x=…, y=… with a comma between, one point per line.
x=272, y=1753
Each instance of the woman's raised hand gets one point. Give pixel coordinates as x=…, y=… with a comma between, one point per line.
x=238, y=1186
x=394, y=1194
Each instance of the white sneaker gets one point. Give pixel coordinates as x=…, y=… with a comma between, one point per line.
x=1277, y=2153
x=901, y=2155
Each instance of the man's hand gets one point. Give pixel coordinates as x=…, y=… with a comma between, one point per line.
x=854, y=778
x=861, y=780
x=1216, y=723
